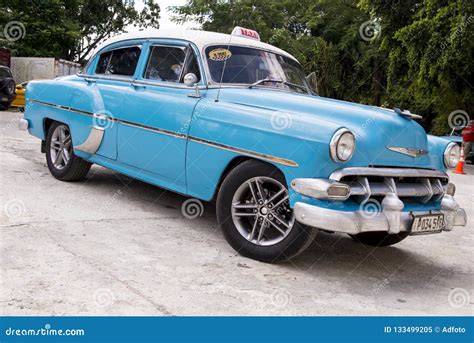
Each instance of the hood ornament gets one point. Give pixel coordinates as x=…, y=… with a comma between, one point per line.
x=407, y=114
x=408, y=151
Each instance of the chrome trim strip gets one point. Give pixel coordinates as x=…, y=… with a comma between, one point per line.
x=93, y=141
x=387, y=172
x=245, y=152
x=115, y=120
x=151, y=128
x=266, y=157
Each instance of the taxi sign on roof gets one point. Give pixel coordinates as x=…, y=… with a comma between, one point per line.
x=243, y=32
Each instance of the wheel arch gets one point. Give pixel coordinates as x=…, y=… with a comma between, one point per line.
x=236, y=161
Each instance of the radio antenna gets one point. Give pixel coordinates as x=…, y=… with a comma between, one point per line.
x=223, y=69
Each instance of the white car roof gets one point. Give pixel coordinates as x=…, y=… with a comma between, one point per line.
x=198, y=37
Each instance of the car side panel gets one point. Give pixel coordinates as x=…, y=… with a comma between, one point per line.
x=41, y=93
x=252, y=129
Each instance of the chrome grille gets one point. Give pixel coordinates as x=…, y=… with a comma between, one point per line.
x=419, y=185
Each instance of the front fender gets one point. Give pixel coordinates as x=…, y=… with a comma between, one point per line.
x=220, y=131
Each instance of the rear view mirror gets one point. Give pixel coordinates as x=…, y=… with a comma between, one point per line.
x=190, y=79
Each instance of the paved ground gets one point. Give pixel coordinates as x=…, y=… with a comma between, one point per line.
x=115, y=246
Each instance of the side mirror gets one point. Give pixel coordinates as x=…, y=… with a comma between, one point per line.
x=190, y=79
x=313, y=81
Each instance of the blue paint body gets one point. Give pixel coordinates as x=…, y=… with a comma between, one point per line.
x=242, y=118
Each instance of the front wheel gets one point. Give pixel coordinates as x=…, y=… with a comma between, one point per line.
x=379, y=239
x=254, y=213
x=63, y=164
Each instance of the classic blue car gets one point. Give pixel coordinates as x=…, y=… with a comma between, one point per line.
x=232, y=119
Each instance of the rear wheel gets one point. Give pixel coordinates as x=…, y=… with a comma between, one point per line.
x=254, y=213
x=379, y=239
x=63, y=164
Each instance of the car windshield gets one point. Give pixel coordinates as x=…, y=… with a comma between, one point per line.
x=256, y=68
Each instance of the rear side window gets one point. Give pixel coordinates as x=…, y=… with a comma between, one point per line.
x=171, y=64
x=119, y=62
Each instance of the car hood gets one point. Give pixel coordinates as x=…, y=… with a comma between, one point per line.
x=375, y=128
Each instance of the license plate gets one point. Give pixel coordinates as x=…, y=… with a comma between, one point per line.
x=427, y=223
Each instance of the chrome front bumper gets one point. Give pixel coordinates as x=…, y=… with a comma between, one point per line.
x=23, y=124
x=362, y=184
x=360, y=221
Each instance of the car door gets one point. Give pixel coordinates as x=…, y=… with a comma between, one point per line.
x=102, y=92
x=152, y=132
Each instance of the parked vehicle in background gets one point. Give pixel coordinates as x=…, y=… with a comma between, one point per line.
x=227, y=117
x=19, y=100
x=5, y=56
x=459, y=135
x=34, y=68
x=7, y=88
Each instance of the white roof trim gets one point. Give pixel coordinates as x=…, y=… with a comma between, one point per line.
x=198, y=37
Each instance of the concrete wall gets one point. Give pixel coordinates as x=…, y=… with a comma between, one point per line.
x=34, y=68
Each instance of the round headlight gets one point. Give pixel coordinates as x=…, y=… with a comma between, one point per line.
x=452, y=154
x=342, y=145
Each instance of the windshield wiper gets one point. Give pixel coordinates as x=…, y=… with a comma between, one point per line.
x=286, y=83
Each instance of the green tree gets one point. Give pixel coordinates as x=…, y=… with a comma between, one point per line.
x=70, y=29
x=430, y=45
x=322, y=35
x=420, y=57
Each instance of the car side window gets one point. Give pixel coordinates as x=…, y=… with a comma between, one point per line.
x=119, y=62
x=170, y=64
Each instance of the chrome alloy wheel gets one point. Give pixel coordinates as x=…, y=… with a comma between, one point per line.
x=61, y=147
x=261, y=211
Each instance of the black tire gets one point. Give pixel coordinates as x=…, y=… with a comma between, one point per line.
x=74, y=169
x=379, y=239
x=297, y=239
